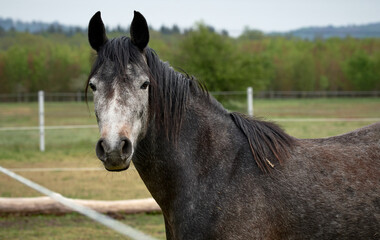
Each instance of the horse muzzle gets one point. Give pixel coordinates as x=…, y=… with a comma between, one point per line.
x=115, y=157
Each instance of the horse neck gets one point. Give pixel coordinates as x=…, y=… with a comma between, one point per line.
x=174, y=170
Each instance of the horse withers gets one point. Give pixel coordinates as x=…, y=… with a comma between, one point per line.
x=222, y=175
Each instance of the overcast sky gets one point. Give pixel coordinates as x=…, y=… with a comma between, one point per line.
x=233, y=15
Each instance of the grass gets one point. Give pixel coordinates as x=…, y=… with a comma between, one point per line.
x=56, y=114
x=99, y=185
x=76, y=148
x=74, y=226
x=309, y=108
x=321, y=129
x=319, y=108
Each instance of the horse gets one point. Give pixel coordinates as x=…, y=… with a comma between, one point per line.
x=218, y=174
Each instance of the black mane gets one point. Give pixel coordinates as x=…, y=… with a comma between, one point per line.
x=268, y=142
x=169, y=93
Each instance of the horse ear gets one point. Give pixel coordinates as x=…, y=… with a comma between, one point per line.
x=96, y=32
x=139, y=31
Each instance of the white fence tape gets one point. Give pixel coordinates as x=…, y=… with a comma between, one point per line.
x=272, y=119
x=98, y=217
x=58, y=169
x=47, y=127
x=62, y=169
x=325, y=119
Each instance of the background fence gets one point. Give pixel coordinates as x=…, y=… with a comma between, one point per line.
x=80, y=96
x=241, y=101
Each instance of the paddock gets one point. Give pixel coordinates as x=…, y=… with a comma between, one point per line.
x=69, y=165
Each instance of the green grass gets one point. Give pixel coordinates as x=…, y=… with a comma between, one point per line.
x=309, y=108
x=321, y=129
x=22, y=145
x=74, y=226
x=319, y=108
x=98, y=185
x=56, y=114
x=76, y=148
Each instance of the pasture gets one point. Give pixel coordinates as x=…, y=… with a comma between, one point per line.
x=75, y=148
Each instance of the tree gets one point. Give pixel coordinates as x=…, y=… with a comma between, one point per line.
x=362, y=71
x=217, y=61
x=251, y=34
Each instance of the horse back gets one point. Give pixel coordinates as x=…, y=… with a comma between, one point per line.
x=332, y=185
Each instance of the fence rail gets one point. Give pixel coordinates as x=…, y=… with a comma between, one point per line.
x=315, y=94
x=80, y=96
x=49, y=96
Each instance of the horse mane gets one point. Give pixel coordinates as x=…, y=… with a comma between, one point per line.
x=169, y=94
x=269, y=144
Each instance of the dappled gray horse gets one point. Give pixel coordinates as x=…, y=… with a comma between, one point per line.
x=223, y=175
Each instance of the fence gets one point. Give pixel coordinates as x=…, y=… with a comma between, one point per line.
x=41, y=100
x=80, y=96
x=316, y=94
x=241, y=101
x=49, y=96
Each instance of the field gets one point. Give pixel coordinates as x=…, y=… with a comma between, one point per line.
x=73, y=148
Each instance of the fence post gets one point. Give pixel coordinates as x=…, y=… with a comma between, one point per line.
x=42, y=120
x=250, y=101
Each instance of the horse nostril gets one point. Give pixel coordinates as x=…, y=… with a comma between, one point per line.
x=125, y=147
x=100, y=150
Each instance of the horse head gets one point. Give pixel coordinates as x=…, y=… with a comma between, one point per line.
x=120, y=83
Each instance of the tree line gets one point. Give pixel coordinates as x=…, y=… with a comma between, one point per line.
x=58, y=62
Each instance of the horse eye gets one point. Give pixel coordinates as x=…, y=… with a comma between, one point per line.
x=145, y=85
x=92, y=86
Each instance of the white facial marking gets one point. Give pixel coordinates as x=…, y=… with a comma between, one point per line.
x=122, y=108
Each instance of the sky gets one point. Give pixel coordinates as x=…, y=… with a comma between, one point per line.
x=233, y=15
